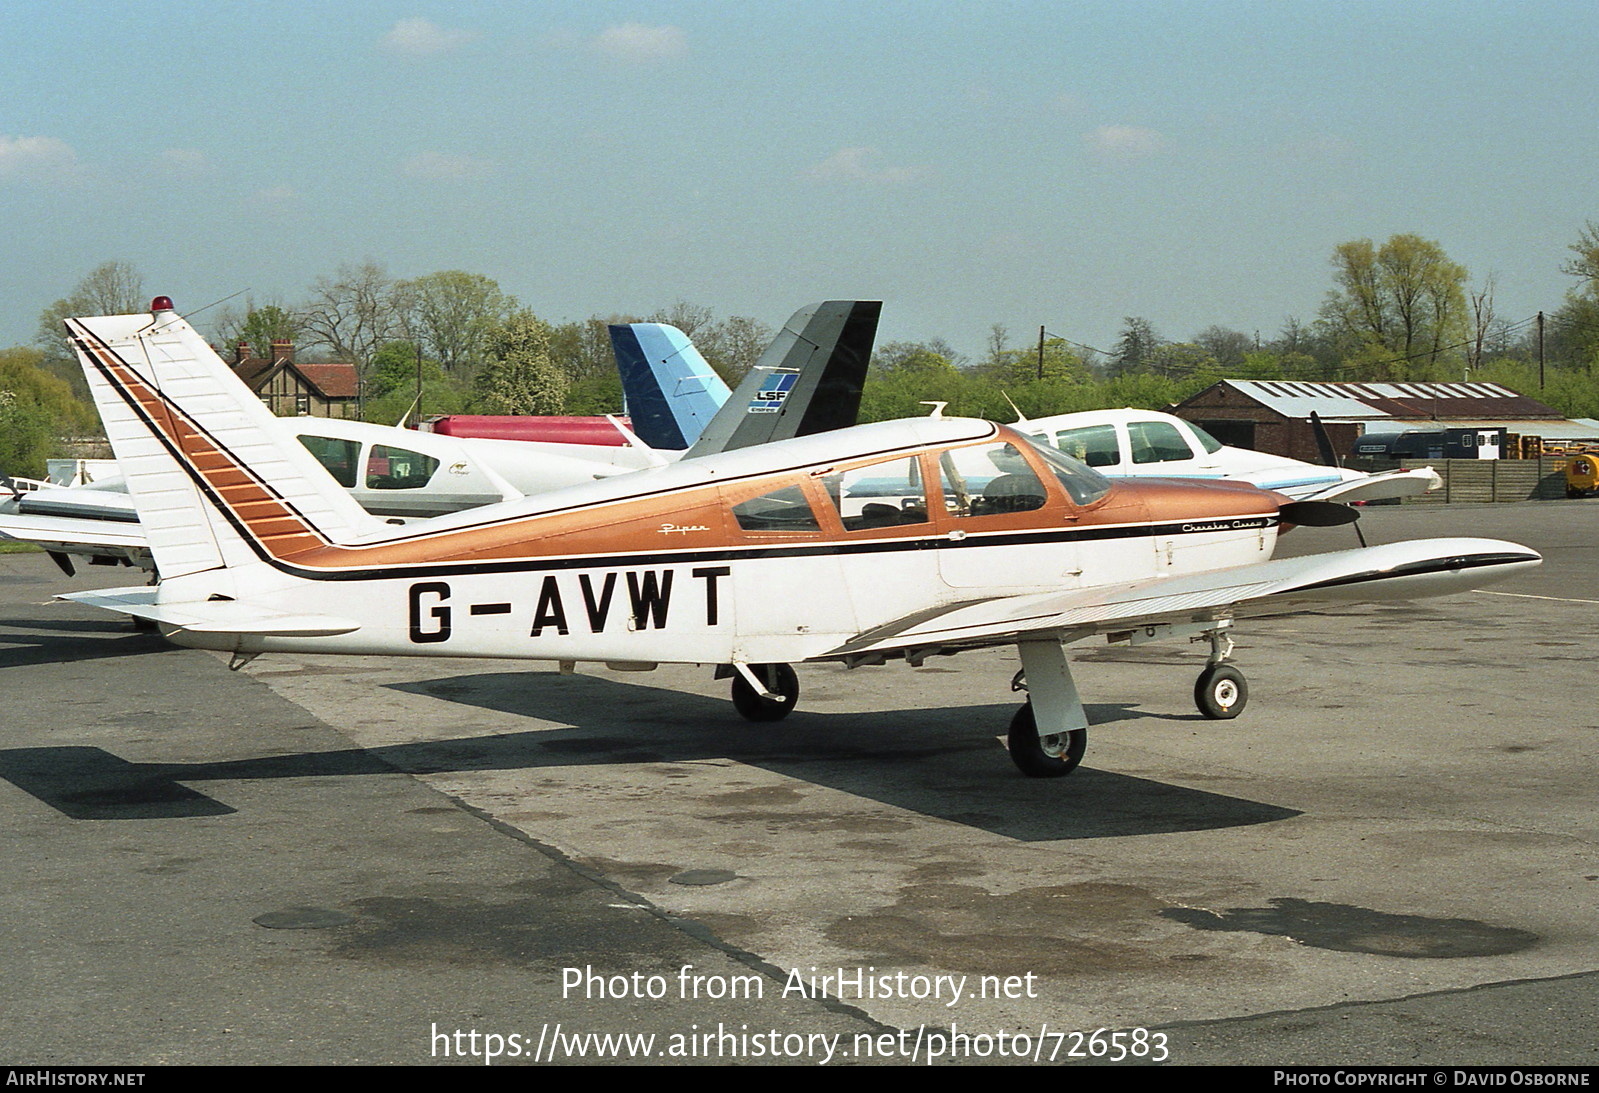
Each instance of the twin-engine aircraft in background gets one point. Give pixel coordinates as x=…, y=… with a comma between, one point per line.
x=900, y=540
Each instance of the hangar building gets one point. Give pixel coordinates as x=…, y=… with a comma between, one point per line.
x=1274, y=415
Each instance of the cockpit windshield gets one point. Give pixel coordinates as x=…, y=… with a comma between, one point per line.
x=1083, y=484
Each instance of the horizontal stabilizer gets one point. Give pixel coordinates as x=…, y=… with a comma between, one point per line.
x=211, y=616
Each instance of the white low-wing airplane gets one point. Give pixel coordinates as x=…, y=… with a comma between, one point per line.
x=899, y=540
x=1142, y=443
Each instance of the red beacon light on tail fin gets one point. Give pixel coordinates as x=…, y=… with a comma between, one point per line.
x=162, y=303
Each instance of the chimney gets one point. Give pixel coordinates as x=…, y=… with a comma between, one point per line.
x=282, y=350
x=241, y=353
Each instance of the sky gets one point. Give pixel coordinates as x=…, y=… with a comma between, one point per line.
x=1060, y=164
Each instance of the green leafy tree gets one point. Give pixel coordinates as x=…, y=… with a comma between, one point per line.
x=1399, y=308
x=1572, y=334
x=259, y=327
x=451, y=313
x=391, y=392
x=1135, y=348
x=519, y=375
x=37, y=410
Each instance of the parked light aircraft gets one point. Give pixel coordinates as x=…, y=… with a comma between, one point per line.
x=821, y=351
x=1126, y=443
x=1118, y=443
x=897, y=540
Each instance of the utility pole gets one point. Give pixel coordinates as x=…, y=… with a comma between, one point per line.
x=1040, y=352
x=1540, y=351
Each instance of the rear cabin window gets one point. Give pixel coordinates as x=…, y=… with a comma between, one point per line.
x=781, y=510
x=882, y=495
x=398, y=469
x=1157, y=442
x=341, y=458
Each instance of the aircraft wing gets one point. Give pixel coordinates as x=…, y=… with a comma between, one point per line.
x=78, y=535
x=1395, y=571
x=1373, y=487
x=809, y=380
x=211, y=616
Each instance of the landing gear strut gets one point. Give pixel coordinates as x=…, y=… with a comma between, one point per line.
x=1221, y=691
x=768, y=694
x=1049, y=734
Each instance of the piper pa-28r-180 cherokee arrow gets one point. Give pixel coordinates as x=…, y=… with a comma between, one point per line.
x=897, y=540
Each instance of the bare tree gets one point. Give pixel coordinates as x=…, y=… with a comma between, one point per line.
x=353, y=313
x=1482, y=323
x=111, y=288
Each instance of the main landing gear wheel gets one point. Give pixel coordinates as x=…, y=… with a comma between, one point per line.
x=1043, y=756
x=780, y=679
x=1221, y=692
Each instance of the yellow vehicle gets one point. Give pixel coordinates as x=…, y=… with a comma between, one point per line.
x=1582, y=475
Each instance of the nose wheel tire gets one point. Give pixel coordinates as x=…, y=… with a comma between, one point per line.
x=1047, y=756
x=780, y=679
x=1221, y=692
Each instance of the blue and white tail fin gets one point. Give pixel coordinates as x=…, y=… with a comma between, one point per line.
x=217, y=480
x=672, y=393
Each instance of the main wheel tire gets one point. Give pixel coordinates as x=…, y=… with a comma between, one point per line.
x=1221, y=692
x=1043, y=756
x=780, y=679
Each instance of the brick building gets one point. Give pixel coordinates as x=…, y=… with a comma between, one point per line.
x=298, y=390
x=1274, y=415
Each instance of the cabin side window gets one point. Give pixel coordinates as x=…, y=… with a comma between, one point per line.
x=398, y=469
x=1157, y=442
x=1093, y=444
x=341, y=458
x=882, y=495
x=781, y=510
x=988, y=480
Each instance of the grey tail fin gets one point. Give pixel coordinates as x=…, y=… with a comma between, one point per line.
x=808, y=381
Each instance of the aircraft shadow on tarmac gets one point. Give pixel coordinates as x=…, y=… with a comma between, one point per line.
x=943, y=763
x=25, y=642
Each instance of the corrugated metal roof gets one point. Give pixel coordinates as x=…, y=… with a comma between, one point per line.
x=1482, y=402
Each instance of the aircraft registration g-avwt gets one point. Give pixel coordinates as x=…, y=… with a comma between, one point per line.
x=897, y=540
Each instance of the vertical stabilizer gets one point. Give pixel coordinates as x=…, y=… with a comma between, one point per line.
x=808, y=381
x=672, y=393
x=217, y=480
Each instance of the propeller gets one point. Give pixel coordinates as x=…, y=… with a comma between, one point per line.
x=1318, y=514
x=1324, y=442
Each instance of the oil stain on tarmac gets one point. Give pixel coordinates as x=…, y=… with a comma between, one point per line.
x=1348, y=929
